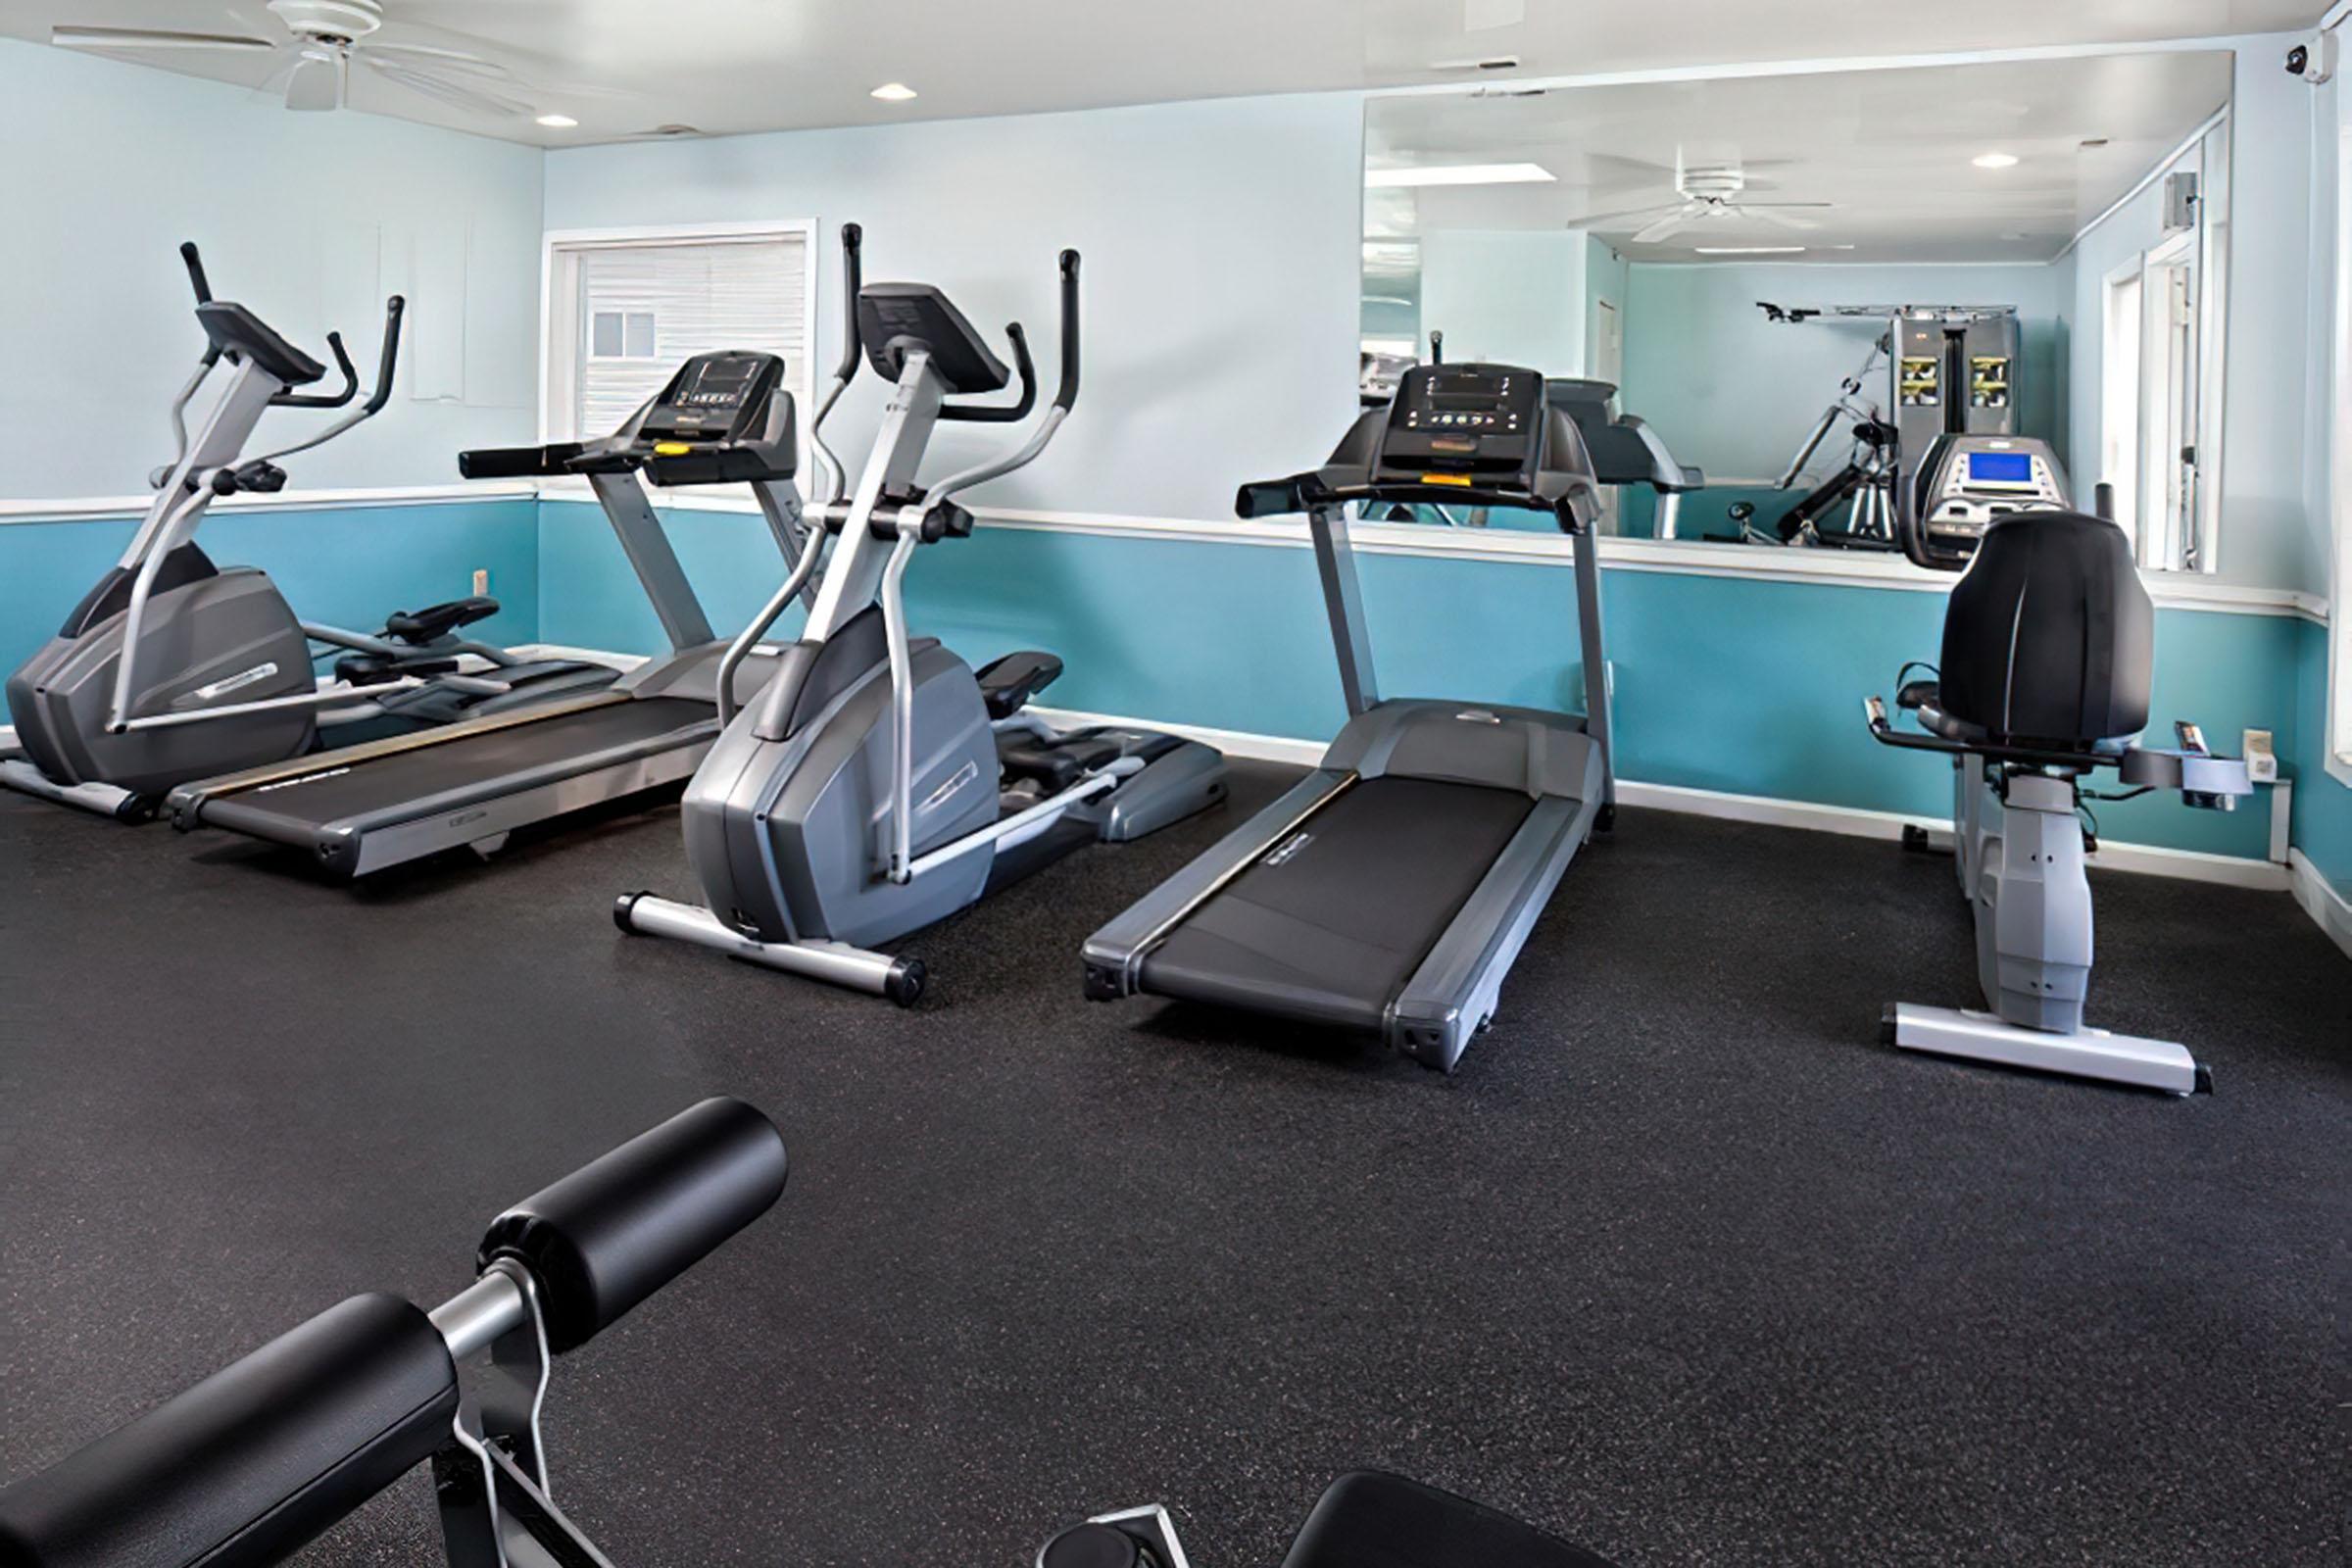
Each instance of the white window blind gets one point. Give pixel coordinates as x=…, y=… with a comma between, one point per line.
x=644, y=309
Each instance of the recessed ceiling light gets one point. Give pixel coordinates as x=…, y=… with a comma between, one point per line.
x=1748, y=249
x=893, y=92
x=1995, y=160
x=558, y=122
x=1459, y=174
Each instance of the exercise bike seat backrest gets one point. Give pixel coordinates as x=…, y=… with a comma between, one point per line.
x=2048, y=637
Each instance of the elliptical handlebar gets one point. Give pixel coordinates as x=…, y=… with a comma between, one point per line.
x=1067, y=393
x=1015, y=411
x=196, y=277
x=1064, y=396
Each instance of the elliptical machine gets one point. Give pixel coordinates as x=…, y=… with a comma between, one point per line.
x=172, y=669
x=877, y=783
x=2048, y=647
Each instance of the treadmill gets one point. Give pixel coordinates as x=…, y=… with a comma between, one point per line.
x=1390, y=890
x=1624, y=448
x=723, y=418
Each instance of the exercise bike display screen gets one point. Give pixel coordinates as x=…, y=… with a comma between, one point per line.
x=2000, y=467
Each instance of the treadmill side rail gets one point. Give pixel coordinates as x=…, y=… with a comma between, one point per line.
x=1114, y=955
x=1453, y=996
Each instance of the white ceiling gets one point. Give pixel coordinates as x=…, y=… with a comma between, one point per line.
x=1891, y=150
x=726, y=65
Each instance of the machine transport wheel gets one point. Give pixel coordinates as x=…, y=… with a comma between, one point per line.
x=906, y=983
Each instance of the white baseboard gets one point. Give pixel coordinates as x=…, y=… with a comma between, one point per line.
x=1855, y=821
x=2325, y=907
x=2328, y=908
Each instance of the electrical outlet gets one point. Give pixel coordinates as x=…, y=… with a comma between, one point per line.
x=482, y=580
x=2262, y=762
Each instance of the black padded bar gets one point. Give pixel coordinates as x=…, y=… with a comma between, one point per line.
x=616, y=1230
x=1372, y=1520
x=250, y=1464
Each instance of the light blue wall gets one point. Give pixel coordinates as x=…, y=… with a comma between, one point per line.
x=1223, y=247
x=345, y=566
x=1722, y=683
x=309, y=219
x=1509, y=296
x=1735, y=393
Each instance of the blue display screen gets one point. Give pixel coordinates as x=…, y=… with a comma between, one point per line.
x=2000, y=467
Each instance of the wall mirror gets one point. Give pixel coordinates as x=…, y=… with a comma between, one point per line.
x=1776, y=292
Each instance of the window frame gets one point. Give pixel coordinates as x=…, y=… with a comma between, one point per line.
x=2336, y=718
x=2120, y=460
x=560, y=331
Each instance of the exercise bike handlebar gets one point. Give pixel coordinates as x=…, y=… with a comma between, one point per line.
x=250, y=1464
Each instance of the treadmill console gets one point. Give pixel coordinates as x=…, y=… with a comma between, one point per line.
x=713, y=397
x=724, y=417
x=1464, y=424
x=1972, y=482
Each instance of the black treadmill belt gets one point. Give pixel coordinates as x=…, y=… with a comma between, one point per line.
x=1330, y=923
x=427, y=771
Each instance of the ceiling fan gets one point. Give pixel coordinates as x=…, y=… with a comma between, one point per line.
x=1703, y=193
x=322, y=39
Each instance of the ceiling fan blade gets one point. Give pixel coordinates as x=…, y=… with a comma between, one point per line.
x=1779, y=220
x=1671, y=223
x=67, y=35
x=457, y=95
x=456, y=62
x=315, y=84
x=1654, y=209
x=1754, y=205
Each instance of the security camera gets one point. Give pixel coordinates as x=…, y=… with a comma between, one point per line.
x=2314, y=62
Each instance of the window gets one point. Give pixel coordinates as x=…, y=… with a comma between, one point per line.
x=2151, y=388
x=626, y=307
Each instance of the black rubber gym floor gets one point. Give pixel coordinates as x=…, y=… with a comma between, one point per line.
x=1681, y=1263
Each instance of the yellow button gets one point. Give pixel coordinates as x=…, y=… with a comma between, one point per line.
x=1445, y=478
x=671, y=448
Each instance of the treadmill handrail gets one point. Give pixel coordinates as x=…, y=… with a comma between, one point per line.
x=1304, y=492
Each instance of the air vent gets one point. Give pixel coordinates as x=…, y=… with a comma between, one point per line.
x=1489, y=63
x=675, y=130
x=2089, y=143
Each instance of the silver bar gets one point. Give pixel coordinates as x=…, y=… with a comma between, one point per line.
x=1027, y=824
x=837, y=477
x=813, y=549
x=901, y=705
x=323, y=697
x=2088, y=1054
x=1344, y=600
x=1670, y=512
x=1596, y=661
x=997, y=467
x=179, y=418
x=655, y=562
x=835, y=963
x=478, y=1314
x=134, y=613
x=105, y=800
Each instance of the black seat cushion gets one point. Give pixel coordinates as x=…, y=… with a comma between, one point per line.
x=1368, y=1519
x=2049, y=637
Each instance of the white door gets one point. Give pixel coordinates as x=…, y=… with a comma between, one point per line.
x=1607, y=358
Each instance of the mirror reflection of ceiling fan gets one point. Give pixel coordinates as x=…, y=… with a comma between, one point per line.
x=321, y=38
x=1703, y=193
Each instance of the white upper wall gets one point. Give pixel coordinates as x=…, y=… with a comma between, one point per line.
x=1221, y=252
x=310, y=221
